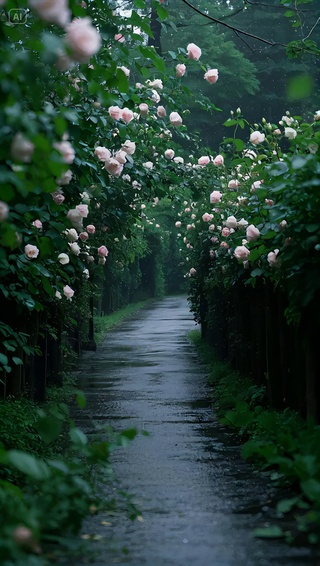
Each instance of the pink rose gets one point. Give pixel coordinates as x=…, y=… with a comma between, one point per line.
x=211, y=76
x=129, y=147
x=189, y=227
x=66, y=150
x=65, y=178
x=180, y=70
x=241, y=253
x=31, y=251
x=37, y=223
x=83, y=39
x=58, y=197
x=127, y=115
x=178, y=224
x=91, y=229
x=211, y=228
x=224, y=245
x=269, y=202
x=4, y=211
x=119, y=37
x=204, y=160
x=75, y=218
x=75, y=248
x=218, y=160
x=233, y=184
x=257, y=137
x=144, y=109
x=103, y=251
x=161, y=111
x=231, y=222
x=169, y=154
x=115, y=112
x=52, y=11
x=101, y=152
x=194, y=52
x=252, y=233
x=215, y=197
x=113, y=167
x=21, y=148
x=83, y=210
x=272, y=258
x=206, y=217
x=192, y=272
x=68, y=292
x=83, y=236
x=255, y=185
x=175, y=119
x=225, y=232
x=121, y=156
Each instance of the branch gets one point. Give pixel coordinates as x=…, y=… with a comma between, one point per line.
x=234, y=29
x=280, y=7
x=312, y=29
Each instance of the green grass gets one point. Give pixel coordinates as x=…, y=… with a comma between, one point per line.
x=103, y=324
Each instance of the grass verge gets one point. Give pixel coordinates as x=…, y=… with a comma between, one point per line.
x=279, y=442
x=103, y=324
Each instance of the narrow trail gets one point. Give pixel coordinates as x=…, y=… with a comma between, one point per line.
x=199, y=501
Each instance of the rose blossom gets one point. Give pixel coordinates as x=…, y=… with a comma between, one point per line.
x=225, y=232
x=63, y=259
x=169, y=154
x=231, y=222
x=178, y=224
x=121, y=156
x=31, y=251
x=103, y=251
x=65, y=178
x=119, y=37
x=102, y=153
x=194, y=52
x=206, y=217
x=241, y=253
x=115, y=112
x=204, y=160
x=75, y=218
x=129, y=147
x=212, y=228
x=178, y=159
x=272, y=258
x=252, y=233
x=83, y=210
x=257, y=137
x=175, y=119
x=21, y=148
x=233, y=184
x=74, y=247
x=144, y=109
x=83, y=38
x=83, y=236
x=161, y=111
x=68, y=292
x=52, y=11
x=113, y=167
x=218, y=160
x=37, y=223
x=180, y=70
x=215, y=196
x=91, y=229
x=255, y=185
x=58, y=197
x=157, y=83
x=211, y=76
x=66, y=150
x=127, y=115
x=71, y=234
x=290, y=133
x=148, y=165
x=4, y=211
x=192, y=271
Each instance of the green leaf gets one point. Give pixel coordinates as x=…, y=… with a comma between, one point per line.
x=81, y=399
x=78, y=437
x=29, y=465
x=49, y=429
x=3, y=359
x=17, y=361
x=300, y=87
x=269, y=532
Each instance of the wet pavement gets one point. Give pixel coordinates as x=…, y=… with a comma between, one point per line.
x=198, y=499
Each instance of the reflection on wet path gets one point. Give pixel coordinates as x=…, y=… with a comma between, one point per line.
x=198, y=499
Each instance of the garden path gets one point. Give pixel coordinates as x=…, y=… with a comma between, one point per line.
x=198, y=500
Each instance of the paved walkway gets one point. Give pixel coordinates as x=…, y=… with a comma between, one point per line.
x=199, y=501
